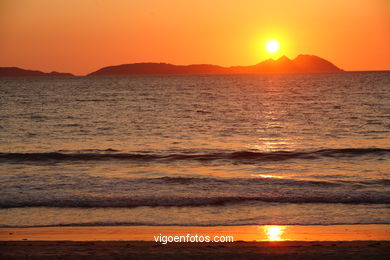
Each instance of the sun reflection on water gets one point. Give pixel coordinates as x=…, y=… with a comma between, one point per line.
x=268, y=176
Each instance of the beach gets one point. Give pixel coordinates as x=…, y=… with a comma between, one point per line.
x=151, y=250
x=240, y=233
x=250, y=242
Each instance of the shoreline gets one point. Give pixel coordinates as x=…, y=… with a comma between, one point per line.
x=368, y=232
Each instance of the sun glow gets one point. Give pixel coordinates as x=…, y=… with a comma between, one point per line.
x=272, y=46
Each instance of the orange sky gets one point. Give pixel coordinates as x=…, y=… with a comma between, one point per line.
x=81, y=36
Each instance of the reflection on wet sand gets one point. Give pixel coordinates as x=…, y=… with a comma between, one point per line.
x=274, y=233
x=241, y=233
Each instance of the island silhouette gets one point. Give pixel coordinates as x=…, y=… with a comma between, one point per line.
x=301, y=64
x=18, y=72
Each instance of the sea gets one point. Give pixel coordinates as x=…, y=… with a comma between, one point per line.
x=195, y=150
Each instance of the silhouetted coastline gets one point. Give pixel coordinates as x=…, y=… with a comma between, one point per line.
x=301, y=64
x=18, y=72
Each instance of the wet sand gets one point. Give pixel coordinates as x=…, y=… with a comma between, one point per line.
x=244, y=233
x=250, y=242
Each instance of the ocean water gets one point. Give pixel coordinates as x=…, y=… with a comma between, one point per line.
x=195, y=150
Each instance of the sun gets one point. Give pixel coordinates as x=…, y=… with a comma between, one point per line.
x=272, y=46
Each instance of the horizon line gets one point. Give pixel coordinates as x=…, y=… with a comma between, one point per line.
x=190, y=64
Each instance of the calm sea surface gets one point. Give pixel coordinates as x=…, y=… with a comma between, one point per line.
x=195, y=150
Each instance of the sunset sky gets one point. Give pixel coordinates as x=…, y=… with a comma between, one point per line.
x=80, y=36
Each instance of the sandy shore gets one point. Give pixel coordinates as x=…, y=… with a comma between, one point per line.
x=250, y=242
x=244, y=233
x=152, y=250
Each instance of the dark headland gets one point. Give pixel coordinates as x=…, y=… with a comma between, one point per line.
x=18, y=72
x=301, y=64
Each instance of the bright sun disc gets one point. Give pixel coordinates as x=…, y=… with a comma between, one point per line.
x=272, y=46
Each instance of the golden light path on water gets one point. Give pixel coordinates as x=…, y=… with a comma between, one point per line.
x=269, y=176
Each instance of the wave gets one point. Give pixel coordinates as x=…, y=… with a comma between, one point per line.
x=128, y=202
x=211, y=224
x=240, y=156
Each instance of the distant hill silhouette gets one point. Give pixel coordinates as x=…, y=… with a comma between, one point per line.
x=301, y=64
x=18, y=72
x=159, y=68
